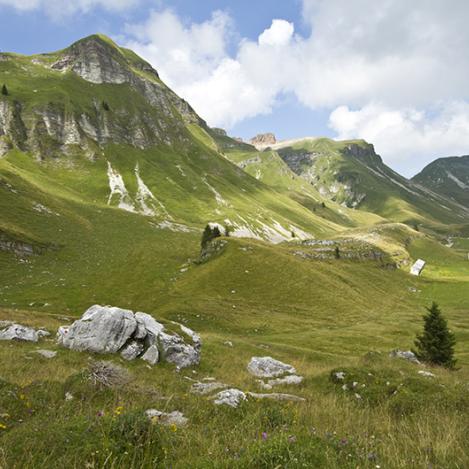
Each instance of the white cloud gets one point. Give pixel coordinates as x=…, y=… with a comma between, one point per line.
x=61, y=8
x=279, y=34
x=411, y=137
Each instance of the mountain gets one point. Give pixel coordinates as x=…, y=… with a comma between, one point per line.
x=94, y=123
x=447, y=176
x=353, y=175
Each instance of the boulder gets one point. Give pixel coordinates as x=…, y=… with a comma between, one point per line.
x=132, y=350
x=406, y=355
x=152, y=355
x=106, y=329
x=230, y=397
x=172, y=418
x=102, y=329
x=174, y=350
x=268, y=367
x=147, y=327
x=13, y=331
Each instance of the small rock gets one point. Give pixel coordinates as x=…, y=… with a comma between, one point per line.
x=14, y=331
x=68, y=396
x=339, y=375
x=406, y=355
x=172, y=418
x=231, y=397
x=290, y=379
x=175, y=350
x=152, y=355
x=268, y=367
x=132, y=350
x=358, y=396
x=228, y=343
x=428, y=374
x=276, y=396
x=47, y=353
x=206, y=388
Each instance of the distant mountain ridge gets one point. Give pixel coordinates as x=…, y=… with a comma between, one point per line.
x=447, y=176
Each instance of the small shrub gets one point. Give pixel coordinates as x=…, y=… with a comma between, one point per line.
x=106, y=106
x=108, y=374
x=5, y=90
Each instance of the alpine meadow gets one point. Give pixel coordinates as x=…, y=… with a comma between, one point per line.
x=175, y=297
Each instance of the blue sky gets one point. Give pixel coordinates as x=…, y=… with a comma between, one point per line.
x=392, y=73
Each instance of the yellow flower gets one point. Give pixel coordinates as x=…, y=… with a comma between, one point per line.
x=22, y=397
x=118, y=410
x=2, y=426
x=173, y=428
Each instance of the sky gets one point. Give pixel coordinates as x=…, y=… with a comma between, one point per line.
x=391, y=72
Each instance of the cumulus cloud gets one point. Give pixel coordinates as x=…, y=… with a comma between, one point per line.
x=279, y=34
x=413, y=137
x=61, y=8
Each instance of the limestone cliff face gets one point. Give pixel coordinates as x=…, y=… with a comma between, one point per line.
x=57, y=127
x=262, y=141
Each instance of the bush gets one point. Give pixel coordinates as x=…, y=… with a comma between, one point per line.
x=5, y=90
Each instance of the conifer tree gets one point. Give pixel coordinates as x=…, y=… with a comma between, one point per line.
x=4, y=90
x=436, y=344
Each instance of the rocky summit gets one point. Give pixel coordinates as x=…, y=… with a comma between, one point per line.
x=171, y=296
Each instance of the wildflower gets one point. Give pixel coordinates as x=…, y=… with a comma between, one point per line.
x=100, y=413
x=292, y=439
x=264, y=435
x=173, y=428
x=3, y=426
x=22, y=397
x=118, y=410
x=343, y=441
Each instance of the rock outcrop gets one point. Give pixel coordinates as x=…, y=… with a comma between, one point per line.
x=262, y=141
x=106, y=329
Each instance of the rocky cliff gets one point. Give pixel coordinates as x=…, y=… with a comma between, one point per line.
x=123, y=101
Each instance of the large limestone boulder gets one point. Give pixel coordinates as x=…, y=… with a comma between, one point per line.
x=106, y=329
x=230, y=397
x=268, y=367
x=102, y=329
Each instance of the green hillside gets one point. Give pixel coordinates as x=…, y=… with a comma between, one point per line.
x=447, y=176
x=107, y=179
x=350, y=173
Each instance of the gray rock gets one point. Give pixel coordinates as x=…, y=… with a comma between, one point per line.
x=102, y=329
x=47, y=353
x=339, y=375
x=19, y=332
x=206, y=388
x=290, y=379
x=174, y=350
x=152, y=355
x=406, y=355
x=276, y=396
x=427, y=374
x=230, y=397
x=132, y=350
x=268, y=367
x=172, y=418
x=148, y=327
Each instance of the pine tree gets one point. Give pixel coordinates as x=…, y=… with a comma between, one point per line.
x=436, y=344
x=4, y=90
x=209, y=234
x=337, y=252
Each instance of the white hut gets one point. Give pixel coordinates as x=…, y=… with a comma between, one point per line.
x=417, y=268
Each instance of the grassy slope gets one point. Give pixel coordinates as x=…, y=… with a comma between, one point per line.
x=315, y=314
